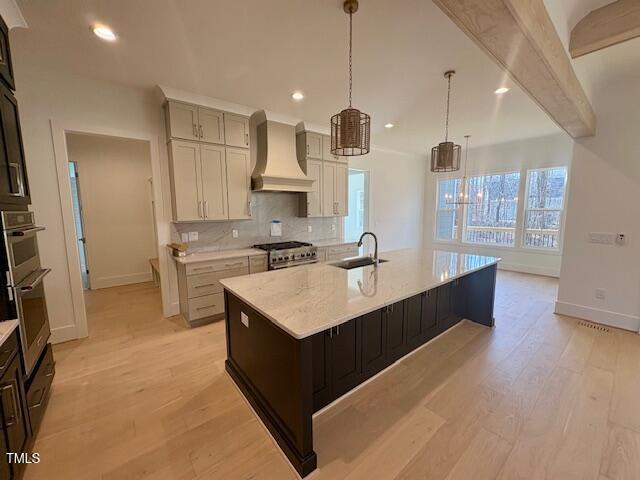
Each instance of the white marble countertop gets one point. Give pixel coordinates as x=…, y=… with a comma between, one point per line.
x=219, y=255
x=6, y=328
x=308, y=299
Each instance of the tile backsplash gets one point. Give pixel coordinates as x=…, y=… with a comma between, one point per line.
x=266, y=206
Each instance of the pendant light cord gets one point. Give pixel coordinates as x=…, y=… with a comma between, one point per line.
x=350, y=52
x=446, y=125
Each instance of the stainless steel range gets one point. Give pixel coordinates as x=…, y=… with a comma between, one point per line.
x=289, y=254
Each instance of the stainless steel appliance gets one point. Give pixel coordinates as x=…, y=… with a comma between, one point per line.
x=25, y=289
x=289, y=254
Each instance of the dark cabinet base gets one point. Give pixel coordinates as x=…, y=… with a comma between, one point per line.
x=286, y=380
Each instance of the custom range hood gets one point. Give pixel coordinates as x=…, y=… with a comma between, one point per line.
x=277, y=168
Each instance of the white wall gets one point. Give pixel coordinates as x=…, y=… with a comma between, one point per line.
x=116, y=204
x=44, y=96
x=605, y=197
x=396, y=195
x=550, y=151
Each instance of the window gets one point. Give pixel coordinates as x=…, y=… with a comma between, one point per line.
x=491, y=219
x=447, y=215
x=357, y=220
x=545, y=201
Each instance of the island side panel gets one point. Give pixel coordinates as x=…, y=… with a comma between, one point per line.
x=480, y=290
x=273, y=370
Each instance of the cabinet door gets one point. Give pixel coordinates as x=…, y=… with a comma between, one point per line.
x=238, y=183
x=328, y=189
x=5, y=468
x=459, y=298
x=326, y=149
x=185, y=181
x=214, y=182
x=210, y=125
x=314, y=198
x=321, y=369
x=428, y=321
x=415, y=333
x=342, y=190
x=346, y=358
x=396, y=332
x=236, y=130
x=183, y=121
x=14, y=187
x=314, y=145
x=6, y=67
x=374, y=342
x=444, y=312
x=11, y=403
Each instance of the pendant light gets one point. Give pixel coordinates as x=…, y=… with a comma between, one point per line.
x=446, y=156
x=463, y=196
x=350, y=129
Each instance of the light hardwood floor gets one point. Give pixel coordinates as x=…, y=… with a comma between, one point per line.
x=538, y=397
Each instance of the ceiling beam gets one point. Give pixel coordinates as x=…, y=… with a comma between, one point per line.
x=520, y=37
x=612, y=24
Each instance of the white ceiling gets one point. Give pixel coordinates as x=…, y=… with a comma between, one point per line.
x=256, y=52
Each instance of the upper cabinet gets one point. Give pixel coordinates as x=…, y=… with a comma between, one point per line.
x=202, y=124
x=210, y=125
x=236, y=130
x=329, y=197
x=210, y=163
x=14, y=187
x=6, y=67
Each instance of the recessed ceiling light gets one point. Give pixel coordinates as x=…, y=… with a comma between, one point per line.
x=501, y=90
x=297, y=95
x=389, y=125
x=105, y=33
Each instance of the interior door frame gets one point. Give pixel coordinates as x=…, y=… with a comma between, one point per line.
x=81, y=215
x=59, y=131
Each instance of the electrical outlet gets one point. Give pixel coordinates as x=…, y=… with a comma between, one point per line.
x=193, y=236
x=333, y=227
x=601, y=293
x=234, y=233
x=621, y=239
x=309, y=228
x=184, y=237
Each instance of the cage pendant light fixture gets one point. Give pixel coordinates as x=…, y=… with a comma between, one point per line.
x=350, y=129
x=463, y=195
x=446, y=156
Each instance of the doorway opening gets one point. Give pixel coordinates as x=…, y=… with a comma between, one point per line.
x=113, y=213
x=357, y=220
x=74, y=178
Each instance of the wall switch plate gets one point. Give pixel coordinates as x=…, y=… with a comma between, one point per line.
x=193, y=236
x=603, y=238
x=234, y=233
x=333, y=227
x=184, y=237
x=244, y=318
x=601, y=293
x=309, y=228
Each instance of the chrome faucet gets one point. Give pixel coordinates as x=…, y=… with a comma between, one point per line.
x=375, y=239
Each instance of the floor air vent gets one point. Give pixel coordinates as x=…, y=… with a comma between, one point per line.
x=595, y=326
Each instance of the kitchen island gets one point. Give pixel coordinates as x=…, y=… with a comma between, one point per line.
x=300, y=338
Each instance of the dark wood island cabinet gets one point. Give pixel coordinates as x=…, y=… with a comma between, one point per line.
x=287, y=379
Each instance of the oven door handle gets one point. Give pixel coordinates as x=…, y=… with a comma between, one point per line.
x=26, y=231
x=30, y=286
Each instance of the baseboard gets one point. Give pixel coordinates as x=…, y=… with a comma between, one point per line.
x=118, y=280
x=63, y=334
x=515, y=267
x=613, y=319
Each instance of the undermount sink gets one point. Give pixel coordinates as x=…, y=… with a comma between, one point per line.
x=356, y=262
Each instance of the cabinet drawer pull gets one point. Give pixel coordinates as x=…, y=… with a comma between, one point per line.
x=246, y=139
x=206, y=308
x=15, y=414
x=202, y=268
x=195, y=130
x=50, y=372
x=237, y=264
x=205, y=286
x=200, y=215
x=206, y=209
x=201, y=132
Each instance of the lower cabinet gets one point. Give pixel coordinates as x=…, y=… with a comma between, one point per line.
x=349, y=354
